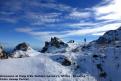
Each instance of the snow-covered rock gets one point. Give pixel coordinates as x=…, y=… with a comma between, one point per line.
x=54, y=46
x=58, y=46
x=62, y=59
x=105, y=56
x=73, y=47
x=24, y=50
x=110, y=36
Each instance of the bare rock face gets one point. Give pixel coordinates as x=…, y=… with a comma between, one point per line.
x=3, y=54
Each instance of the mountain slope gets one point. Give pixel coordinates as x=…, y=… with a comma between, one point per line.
x=39, y=65
x=24, y=50
x=106, y=55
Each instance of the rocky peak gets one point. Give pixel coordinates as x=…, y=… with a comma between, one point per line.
x=22, y=46
x=57, y=42
x=55, y=39
x=54, y=42
x=23, y=50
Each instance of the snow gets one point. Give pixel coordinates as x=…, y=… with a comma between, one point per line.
x=55, y=50
x=47, y=64
x=83, y=64
x=96, y=62
x=38, y=65
x=72, y=46
x=29, y=52
x=62, y=49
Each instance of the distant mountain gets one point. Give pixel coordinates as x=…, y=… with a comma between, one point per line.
x=23, y=50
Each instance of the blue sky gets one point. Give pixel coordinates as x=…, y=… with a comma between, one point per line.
x=35, y=21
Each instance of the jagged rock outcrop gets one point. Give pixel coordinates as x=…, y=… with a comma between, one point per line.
x=3, y=54
x=54, y=45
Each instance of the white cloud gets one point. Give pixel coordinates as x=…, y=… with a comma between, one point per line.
x=9, y=20
x=24, y=30
x=41, y=35
x=46, y=35
x=92, y=31
x=81, y=24
x=51, y=5
x=59, y=7
x=42, y=18
x=113, y=10
x=98, y=34
x=108, y=13
x=78, y=14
